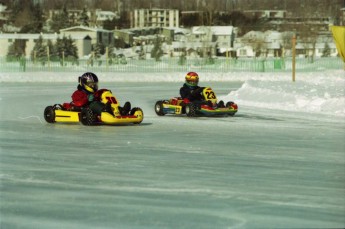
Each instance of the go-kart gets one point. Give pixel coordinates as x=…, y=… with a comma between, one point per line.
x=67, y=112
x=206, y=105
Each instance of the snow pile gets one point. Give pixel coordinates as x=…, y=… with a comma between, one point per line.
x=315, y=92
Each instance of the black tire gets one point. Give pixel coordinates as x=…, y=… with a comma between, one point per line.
x=229, y=104
x=159, y=108
x=137, y=109
x=49, y=114
x=190, y=110
x=88, y=118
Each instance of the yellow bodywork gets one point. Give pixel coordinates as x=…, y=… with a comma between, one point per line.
x=105, y=117
x=137, y=117
x=66, y=116
x=209, y=95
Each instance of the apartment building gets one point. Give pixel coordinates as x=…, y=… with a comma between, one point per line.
x=154, y=18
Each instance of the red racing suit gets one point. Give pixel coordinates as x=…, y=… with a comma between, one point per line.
x=80, y=98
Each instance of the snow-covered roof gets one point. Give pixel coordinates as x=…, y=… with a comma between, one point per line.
x=254, y=35
x=84, y=28
x=215, y=30
x=222, y=30
x=33, y=36
x=272, y=35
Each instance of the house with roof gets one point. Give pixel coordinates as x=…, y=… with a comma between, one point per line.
x=217, y=40
x=86, y=37
x=276, y=44
x=8, y=39
x=101, y=16
x=83, y=37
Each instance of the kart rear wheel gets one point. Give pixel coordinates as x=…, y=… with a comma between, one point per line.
x=190, y=110
x=88, y=118
x=229, y=105
x=159, y=108
x=49, y=114
x=135, y=109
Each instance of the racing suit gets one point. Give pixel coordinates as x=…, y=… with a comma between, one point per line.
x=190, y=93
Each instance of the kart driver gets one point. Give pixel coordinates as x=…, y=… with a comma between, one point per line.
x=85, y=95
x=191, y=92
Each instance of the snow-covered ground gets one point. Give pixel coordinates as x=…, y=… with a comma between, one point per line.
x=278, y=163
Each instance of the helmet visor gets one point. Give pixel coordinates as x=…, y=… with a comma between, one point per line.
x=193, y=81
x=92, y=85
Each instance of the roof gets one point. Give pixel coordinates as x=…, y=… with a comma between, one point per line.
x=33, y=36
x=215, y=30
x=84, y=28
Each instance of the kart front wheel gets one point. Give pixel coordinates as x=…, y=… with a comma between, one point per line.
x=190, y=110
x=49, y=114
x=88, y=118
x=159, y=108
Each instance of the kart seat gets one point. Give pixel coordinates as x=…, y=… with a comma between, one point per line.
x=70, y=107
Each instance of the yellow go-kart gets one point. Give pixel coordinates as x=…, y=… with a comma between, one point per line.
x=206, y=106
x=70, y=114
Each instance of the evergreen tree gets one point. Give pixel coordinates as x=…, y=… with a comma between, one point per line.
x=110, y=24
x=65, y=47
x=71, y=48
x=60, y=20
x=39, y=51
x=65, y=20
x=157, y=51
x=84, y=18
x=16, y=50
x=38, y=20
x=326, y=51
x=98, y=50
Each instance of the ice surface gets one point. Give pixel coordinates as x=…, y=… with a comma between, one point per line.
x=278, y=163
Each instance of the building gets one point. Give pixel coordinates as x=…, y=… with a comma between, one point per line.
x=102, y=16
x=154, y=18
x=7, y=39
x=96, y=18
x=88, y=36
x=83, y=37
x=144, y=35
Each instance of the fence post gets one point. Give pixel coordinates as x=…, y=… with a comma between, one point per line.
x=35, y=56
x=107, y=57
x=23, y=63
x=293, y=58
x=63, y=58
x=48, y=57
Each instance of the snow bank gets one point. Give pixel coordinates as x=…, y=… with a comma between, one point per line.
x=311, y=92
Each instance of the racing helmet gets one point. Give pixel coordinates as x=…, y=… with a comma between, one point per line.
x=89, y=82
x=192, y=79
